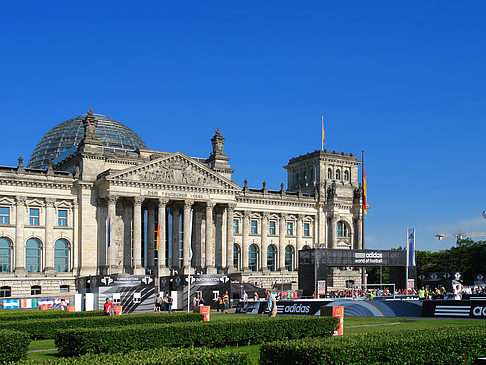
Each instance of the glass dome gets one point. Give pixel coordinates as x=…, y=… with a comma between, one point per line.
x=114, y=136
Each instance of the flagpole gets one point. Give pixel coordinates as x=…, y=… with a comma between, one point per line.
x=322, y=136
x=189, y=265
x=363, y=272
x=406, y=266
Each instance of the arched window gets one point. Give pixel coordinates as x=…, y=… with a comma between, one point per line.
x=236, y=256
x=329, y=173
x=5, y=255
x=342, y=229
x=346, y=175
x=61, y=256
x=271, y=256
x=33, y=254
x=305, y=248
x=338, y=174
x=253, y=257
x=289, y=258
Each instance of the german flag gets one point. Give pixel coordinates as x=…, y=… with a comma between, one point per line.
x=365, y=207
x=158, y=238
x=322, y=146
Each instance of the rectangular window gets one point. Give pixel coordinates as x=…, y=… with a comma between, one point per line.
x=35, y=290
x=64, y=288
x=290, y=228
x=34, y=216
x=62, y=217
x=236, y=226
x=272, y=228
x=4, y=215
x=254, y=227
x=5, y=291
x=306, y=229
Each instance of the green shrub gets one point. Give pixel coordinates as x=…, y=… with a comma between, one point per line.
x=46, y=328
x=448, y=345
x=161, y=356
x=204, y=334
x=19, y=315
x=13, y=345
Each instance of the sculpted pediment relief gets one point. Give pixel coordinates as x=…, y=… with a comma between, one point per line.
x=176, y=169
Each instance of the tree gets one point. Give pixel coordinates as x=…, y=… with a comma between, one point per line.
x=468, y=257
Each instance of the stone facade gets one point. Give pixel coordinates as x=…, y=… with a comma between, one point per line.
x=96, y=212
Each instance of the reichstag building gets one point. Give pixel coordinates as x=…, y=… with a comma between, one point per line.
x=94, y=198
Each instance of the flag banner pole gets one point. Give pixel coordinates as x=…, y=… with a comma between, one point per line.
x=189, y=265
x=322, y=141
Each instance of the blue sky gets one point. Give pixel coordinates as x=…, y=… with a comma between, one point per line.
x=404, y=81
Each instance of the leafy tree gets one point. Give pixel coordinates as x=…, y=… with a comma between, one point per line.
x=468, y=257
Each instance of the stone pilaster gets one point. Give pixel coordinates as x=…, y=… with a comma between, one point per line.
x=49, y=243
x=137, y=235
x=281, y=241
x=359, y=234
x=230, y=241
x=19, y=236
x=210, y=244
x=75, y=243
x=300, y=234
x=263, y=256
x=244, y=241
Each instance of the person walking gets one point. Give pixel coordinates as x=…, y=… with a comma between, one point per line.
x=271, y=304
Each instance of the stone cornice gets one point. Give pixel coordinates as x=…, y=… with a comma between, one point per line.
x=39, y=184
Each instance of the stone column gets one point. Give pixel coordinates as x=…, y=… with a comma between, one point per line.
x=162, y=234
x=150, y=235
x=333, y=243
x=187, y=235
x=49, y=243
x=263, y=256
x=281, y=241
x=244, y=241
x=137, y=235
x=110, y=222
x=210, y=244
x=230, y=241
x=321, y=224
x=19, y=236
x=359, y=233
x=300, y=234
x=75, y=243
x=175, y=209
x=224, y=240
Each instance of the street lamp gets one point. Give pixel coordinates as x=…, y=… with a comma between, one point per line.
x=484, y=214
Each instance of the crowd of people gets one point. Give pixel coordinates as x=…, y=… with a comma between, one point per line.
x=164, y=303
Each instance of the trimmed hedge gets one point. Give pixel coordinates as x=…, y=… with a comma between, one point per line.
x=212, y=334
x=47, y=328
x=13, y=345
x=19, y=315
x=447, y=345
x=161, y=356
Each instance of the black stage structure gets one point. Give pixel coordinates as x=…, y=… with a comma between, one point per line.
x=314, y=265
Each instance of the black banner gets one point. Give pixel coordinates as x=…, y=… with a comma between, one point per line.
x=454, y=308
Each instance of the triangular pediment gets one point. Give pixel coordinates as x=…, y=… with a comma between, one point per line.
x=174, y=169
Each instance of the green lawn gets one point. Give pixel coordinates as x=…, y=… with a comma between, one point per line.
x=386, y=325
